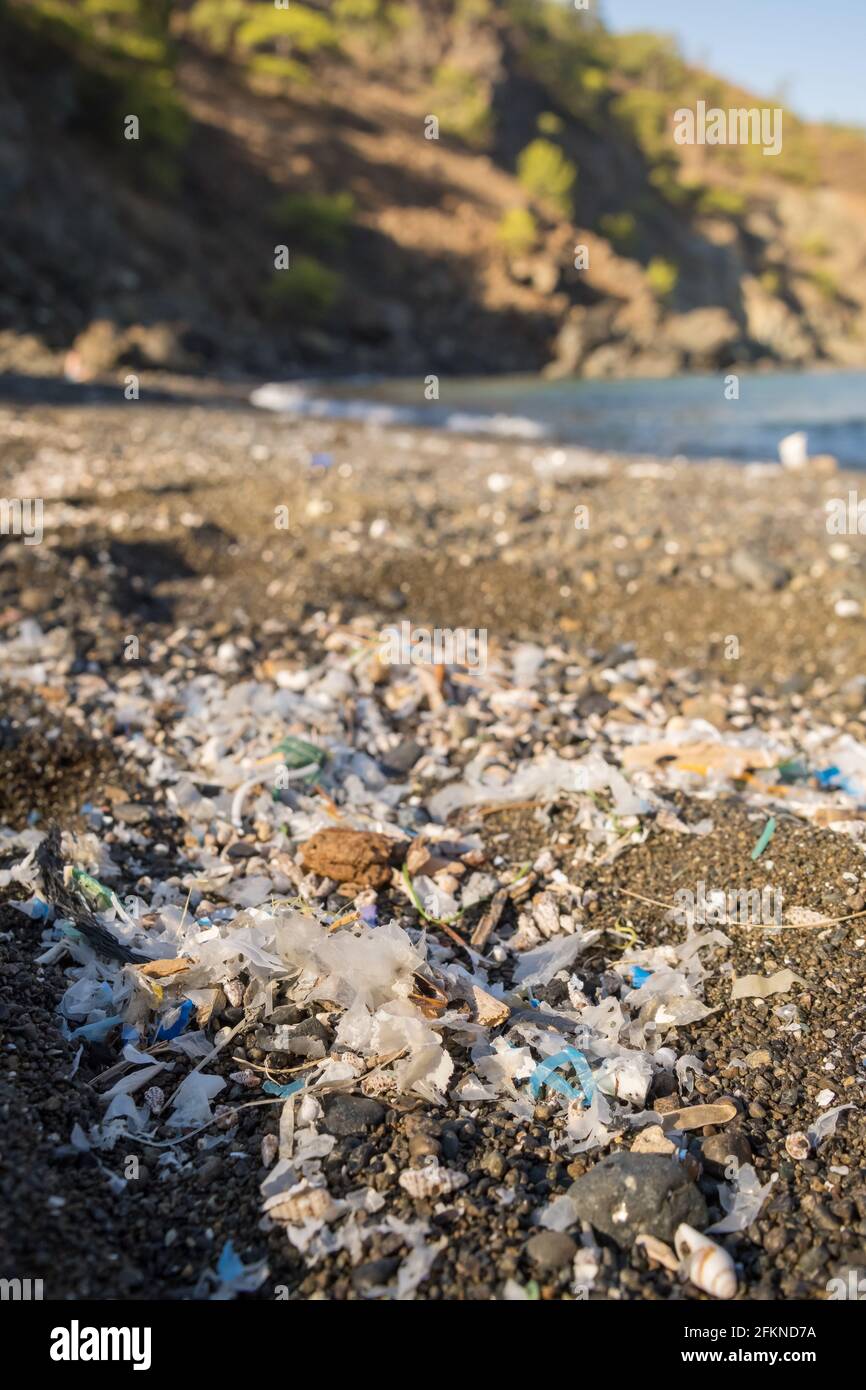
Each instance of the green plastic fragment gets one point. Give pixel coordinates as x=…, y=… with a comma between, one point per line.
x=296, y=752
x=765, y=838
x=97, y=895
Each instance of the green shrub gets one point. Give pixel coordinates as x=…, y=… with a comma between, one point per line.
x=306, y=291
x=720, y=201
x=619, y=228
x=816, y=245
x=662, y=277
x=463, y=104
x=322, y=220
x=550, y=124
x=517, y=231
x=771, y=281
x=546, y=173
x=826, y=283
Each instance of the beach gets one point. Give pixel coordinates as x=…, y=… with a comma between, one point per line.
x=625, y=602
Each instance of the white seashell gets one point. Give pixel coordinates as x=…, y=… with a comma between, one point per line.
x=154, y=1099
x=431, y=1181
x=234, y=992
x=300, y=1204
x=246, y=1078
x=797, y=1145
x=270, y=1145
x=378, y=1083
x=708, y=1266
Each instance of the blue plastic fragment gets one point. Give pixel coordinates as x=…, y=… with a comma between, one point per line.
x=827, y=776
x=229, y=1265
x=96, y=1032
x=271, y=1088
x=639, y=976
x=322, y=460
x=369, y=916
x=545, y=1074
x=165, y=1032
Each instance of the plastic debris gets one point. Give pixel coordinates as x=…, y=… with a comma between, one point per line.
x=760, y=986
x=546, y=1075
x=744, y=1203
x=764, y=838
x=825, y=1125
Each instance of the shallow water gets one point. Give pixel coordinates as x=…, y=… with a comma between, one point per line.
x=680, y=415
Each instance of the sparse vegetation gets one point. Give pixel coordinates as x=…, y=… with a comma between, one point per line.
x=517, y=231
x=306, y=292
x=620, y=229
x=463, y=104
x=546, y=174
x=662, y=277
x=321, y=220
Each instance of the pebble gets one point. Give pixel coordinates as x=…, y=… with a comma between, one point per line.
x=718, y=1150
x=627, y=1193
x=551, y=1250
x=346, y=1115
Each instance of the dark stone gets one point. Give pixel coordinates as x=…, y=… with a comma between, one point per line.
x=627, y=1194
x=375, y=1273
x=718, y=1150
x=351, y=1114
x=403, y=758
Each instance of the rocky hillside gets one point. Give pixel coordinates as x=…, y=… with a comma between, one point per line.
x=154, y=154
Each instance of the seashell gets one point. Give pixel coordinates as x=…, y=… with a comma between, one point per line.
x=225, y=1117
x=300, y=1204
x=246, y=1078
x=431, y=1181
x=378, y=1083
x=707, y=1265
x=797, y=1145
x=658, y=1252
x=352, y=1059
x=270, y=1145
x=154, y=1099
x=234, y=992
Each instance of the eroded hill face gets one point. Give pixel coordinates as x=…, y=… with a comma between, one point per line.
x=458, y=186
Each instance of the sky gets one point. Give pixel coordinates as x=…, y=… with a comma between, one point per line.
x=813, y=52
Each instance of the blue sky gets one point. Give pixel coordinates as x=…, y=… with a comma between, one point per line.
x=814, y=52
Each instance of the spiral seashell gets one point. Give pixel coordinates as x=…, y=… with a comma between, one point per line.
x=246, y=1078
x=707, y=1265
x=797, y=1145
x=154, y=1099
x=431, y=1181
x=300, y=1204
x=270, y=1146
